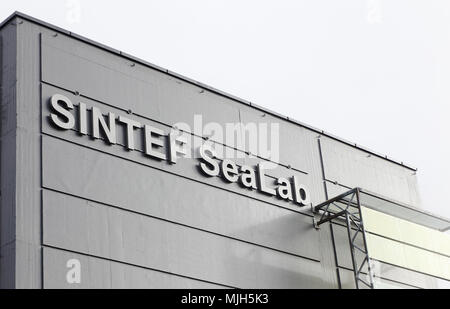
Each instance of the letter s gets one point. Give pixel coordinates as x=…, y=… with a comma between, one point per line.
x=56, y=101
x=211, y=167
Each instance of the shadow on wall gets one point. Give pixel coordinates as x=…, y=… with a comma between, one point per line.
x=307, y=273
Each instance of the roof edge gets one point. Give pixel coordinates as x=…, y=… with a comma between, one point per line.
x=199, y=84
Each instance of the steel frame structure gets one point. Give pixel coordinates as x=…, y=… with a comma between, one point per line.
x=347, y=206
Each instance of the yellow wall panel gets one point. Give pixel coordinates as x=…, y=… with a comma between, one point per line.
x=406, y=256
x=405, y=231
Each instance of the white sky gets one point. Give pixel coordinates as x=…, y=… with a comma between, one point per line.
x=374, y=72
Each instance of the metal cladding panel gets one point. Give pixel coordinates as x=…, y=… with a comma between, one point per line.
x=292, y=138
x=335, y=189
x=99, y=273
x=28, y=172
x=111, y=79
x=352, y=168
x=154, y=192
x=111, y=233
x=21, y=196
x=8, y=155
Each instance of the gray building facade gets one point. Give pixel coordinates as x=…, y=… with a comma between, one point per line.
x=78, y=192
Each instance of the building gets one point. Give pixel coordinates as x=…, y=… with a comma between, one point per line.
x=99, y=190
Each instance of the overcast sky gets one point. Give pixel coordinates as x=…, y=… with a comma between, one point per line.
x=374, y=72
